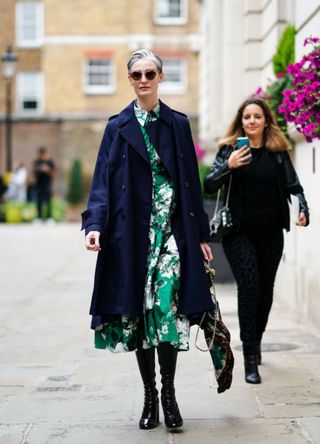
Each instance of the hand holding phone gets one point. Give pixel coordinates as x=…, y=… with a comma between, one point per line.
x=241, y=156
x=244, y=141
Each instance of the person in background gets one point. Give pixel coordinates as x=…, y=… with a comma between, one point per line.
x=3, y=189
x=43, y=169
x=263, y=179
x=145, y=217
x=18, y=183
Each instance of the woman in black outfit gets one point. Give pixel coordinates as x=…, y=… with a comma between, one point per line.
x=262, y=183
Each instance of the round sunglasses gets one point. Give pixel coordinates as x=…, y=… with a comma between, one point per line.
x=150, y=74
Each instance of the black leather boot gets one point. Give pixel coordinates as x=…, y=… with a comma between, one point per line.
x=150, y=413
x=251, y=369
x=167, y=356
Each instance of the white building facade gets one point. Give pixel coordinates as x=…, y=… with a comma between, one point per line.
x=239, y=38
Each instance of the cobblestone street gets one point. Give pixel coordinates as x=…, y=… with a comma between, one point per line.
x=56, y=388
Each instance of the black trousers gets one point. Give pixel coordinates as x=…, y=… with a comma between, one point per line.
x=254, y=260
x=44, y=198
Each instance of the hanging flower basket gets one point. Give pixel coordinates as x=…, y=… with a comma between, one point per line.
x=301, y=103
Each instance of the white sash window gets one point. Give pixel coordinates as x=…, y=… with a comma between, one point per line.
x=99, y=76
x=29, y=24
x=170, y=12
x=30, y=92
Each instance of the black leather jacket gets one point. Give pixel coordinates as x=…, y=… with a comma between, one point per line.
x=288, y=182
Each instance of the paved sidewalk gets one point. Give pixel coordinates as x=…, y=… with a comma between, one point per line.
x=56, y=388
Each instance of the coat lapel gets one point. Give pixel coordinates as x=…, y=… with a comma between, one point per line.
x=130, y=130
x=166, y=145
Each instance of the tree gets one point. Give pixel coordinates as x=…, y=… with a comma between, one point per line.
x=284, y=55
x=76, y=183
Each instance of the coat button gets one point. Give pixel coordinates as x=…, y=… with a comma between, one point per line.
x=123, y=156
x=186, y=184
x=123, y=188
x=123, y=216
x=181, y=155
x=192, y=214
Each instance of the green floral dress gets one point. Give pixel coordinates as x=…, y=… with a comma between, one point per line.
x=160, y=322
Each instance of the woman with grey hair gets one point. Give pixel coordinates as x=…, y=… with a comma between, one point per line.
x=145, y=219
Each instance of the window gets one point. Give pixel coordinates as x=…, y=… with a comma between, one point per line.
x=175, y=75
x=99, y=76
x=30, y=92
x=170, y=12
x=29, y=24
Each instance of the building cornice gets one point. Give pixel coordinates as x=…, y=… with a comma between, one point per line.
x=133, y=41
x=57, y=117
x=309, y=18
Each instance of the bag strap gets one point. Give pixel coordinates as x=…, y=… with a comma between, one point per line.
x=218, y=197
x=210, y=346
x=217, y=203
x=228, y=193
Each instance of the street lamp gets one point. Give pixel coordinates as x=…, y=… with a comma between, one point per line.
x=9, y=60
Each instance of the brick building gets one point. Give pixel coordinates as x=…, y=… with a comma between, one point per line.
x=71, y=74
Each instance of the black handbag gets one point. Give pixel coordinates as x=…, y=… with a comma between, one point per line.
x=221, y=222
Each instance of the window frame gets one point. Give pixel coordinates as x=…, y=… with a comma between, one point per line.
x=21, y=40
x=169, y=21
x=37, y=94
x=102, y=89
x=167, y=87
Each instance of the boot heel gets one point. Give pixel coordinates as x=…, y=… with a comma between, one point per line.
x=251, y=369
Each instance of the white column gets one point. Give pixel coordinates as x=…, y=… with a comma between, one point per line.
x=210, y=75
x=233, y=59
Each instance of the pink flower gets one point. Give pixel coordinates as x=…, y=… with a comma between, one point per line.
x=310, y=40
x=199, y=151
x=308, y=89
x=301, y=103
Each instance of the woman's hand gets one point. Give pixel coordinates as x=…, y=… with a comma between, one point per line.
x=239, y=158
x=302, y=221
x=206, y=251
x=92, y=241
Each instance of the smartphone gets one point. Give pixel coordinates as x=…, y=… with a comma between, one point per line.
x=241, y=141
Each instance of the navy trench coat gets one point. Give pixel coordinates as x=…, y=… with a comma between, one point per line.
x=119, y=207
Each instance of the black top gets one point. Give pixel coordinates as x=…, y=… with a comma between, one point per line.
x=43, y=172
x=284, y=173
x=261, y=200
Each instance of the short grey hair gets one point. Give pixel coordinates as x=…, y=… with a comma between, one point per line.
x=140, y=54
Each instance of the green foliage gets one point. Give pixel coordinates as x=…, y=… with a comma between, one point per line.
x=59, y=209
x=76, y=183
x=13, y=212
x=17, y=212
x=274, y=97
x=284, y=55
x=203, y=171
